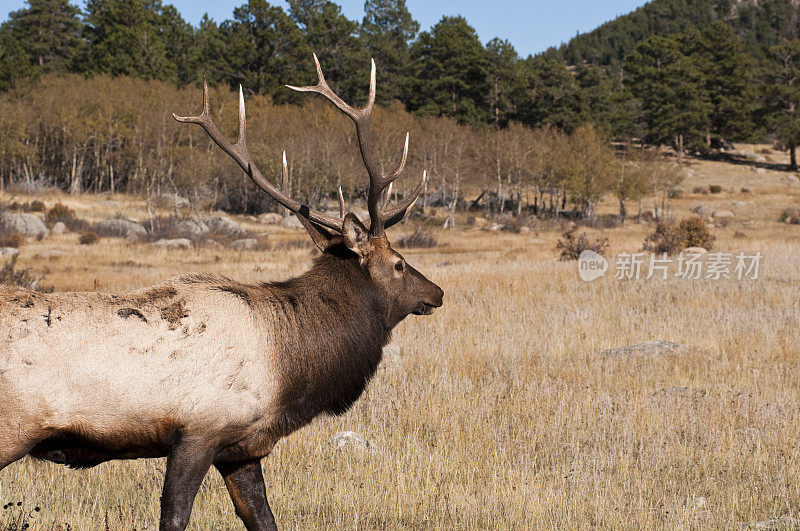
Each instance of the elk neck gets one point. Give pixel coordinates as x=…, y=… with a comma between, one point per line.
x=332, y=325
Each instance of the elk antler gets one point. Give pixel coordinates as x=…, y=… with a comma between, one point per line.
x=238, y=151
x=380, y=218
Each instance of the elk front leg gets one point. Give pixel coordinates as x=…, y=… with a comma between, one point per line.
x=245, y=483
x=188, y=461
x=10, y=452
x=15, y=439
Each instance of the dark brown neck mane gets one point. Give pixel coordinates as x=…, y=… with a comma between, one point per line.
x=332, y=324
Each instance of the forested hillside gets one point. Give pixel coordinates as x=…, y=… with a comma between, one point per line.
x=758, y=24
x=674, y=72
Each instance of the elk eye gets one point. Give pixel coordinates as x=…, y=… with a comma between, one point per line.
x=398, y=266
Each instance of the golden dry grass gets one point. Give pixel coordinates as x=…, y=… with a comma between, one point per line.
x=501, y=414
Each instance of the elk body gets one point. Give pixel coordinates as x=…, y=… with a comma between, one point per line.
x=204, y=370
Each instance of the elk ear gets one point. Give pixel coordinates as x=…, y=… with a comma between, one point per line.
x=320, y=235
x=356, y=236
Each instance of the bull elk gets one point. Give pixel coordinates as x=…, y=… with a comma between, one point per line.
x=204, y=370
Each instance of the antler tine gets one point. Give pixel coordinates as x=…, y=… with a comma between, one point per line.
x=284, y=175
x=400, y=167
x=371, y=98
x=395, y=215
x=203, y=117
x=341, y=203
x=241, y=139
x=322, y=88
x=238, y=152
x=377, y=181
x=388, y=196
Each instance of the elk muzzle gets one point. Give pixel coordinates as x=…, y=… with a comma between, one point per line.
x=433, y=301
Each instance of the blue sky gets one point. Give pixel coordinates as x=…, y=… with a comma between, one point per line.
x=531, y=26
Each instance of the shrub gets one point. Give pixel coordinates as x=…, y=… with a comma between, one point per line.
x=34, y=206
x=666, y=239
x=745, y=190
x=696, y=233
x=698, y=190
x=574, y=244
x=513, y=225
x=790, y=215
x=10, y=239
x=418, y=238
x=715, y=188
x=671, y=238
x=675, y=193
x=21, y=277
x=63, y=214
x=291, y=244
x=607, y=221
x=59, y=212
x=89, y=238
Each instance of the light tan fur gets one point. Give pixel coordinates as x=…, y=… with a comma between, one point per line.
x=183, y=354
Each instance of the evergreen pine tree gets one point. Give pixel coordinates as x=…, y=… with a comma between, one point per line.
x=387, y=30
x=127, y=37
x=505, y=81
x=782, y=96
x=675, y=104
x=334, y=38
x=262, y=48
x=450, y=74
x=48, y=31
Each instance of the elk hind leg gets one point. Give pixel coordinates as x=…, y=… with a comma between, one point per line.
x=245, y=483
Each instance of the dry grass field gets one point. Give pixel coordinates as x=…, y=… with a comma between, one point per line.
x=500, y=412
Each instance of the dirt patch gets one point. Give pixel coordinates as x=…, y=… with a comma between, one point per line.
x=173, y=314
x=128, y=312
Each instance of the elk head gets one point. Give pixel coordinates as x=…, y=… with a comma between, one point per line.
x=404, y=289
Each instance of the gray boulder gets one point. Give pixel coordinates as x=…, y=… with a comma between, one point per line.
x=350, y=440
x=775, y=524
x=24, y=224
x=245, y=244
x=695, y=250
x=9, y=251
x=175, y=243
x=59, y=228
x=648, y=348
x=192, y=227
x=723, y=214
x=171, y=201
x=392, y=355
x=791, y=180
x=701, y=210
x=121, y=228
x=50, y=253
x=270, y=218
x=291, y=222
x=224, y=225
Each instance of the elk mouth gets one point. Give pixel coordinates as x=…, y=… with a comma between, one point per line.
x=425, y=309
